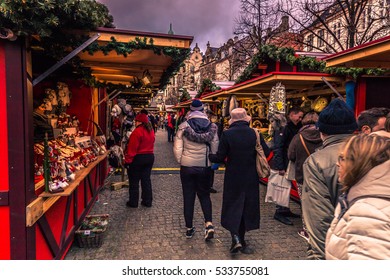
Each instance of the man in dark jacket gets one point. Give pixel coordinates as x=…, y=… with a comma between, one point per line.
x=282, y=138
x=320, y=183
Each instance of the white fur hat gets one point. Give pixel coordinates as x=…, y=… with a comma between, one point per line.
x=239, y=114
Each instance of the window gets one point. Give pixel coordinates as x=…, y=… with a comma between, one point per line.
x=320, y=39
x=364, y=19
x=339, y=30
x=309, y=42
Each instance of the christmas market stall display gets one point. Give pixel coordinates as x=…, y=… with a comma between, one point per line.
x=61, y=75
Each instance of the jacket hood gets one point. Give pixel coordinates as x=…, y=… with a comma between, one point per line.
x=311, y=134
x=197, y=131
x=375, y=183
x=198, y=121
x=335, y=139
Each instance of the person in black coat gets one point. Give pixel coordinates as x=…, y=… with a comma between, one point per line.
x=282, y=137
x=241, y=198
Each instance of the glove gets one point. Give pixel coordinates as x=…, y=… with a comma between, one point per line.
x=215, y=166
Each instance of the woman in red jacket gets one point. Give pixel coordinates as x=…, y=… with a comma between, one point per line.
x=139, y=159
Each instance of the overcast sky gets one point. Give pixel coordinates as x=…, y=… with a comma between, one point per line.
x=206, y=20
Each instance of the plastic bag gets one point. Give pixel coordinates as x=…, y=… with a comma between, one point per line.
x=278, y=189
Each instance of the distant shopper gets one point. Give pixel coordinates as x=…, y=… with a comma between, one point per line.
x=139, y=159
x=171, y=123
x=372, y=120
x=213, y=118
x=360, y=228
x=301, y=147
x=241, y=199
x=195, y=140
x=320, y=180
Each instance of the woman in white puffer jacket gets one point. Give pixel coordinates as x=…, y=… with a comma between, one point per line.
x=195, y=139
x=360, y=228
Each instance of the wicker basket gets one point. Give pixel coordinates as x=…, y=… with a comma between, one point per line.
x=88, y=235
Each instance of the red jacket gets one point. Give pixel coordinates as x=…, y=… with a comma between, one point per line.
x=141, y=142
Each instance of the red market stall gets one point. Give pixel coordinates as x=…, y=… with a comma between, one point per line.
x=37, y=224
x=370, y=91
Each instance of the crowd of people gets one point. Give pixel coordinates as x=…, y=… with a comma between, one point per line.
x=341, y=167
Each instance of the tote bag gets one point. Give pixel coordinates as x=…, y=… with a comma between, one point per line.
x=278, y=189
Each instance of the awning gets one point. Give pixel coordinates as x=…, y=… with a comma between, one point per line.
x=139, y=64
x=375, y=54
x=294, y=82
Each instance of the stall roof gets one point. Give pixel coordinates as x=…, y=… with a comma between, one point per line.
x=293, y=81
x=375, y=54
x=116, y=69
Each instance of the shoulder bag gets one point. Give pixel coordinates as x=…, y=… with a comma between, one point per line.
x=262, y=166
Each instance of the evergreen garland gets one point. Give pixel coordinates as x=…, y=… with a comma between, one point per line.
x=184, y=96
x=46, y=18
x=178, y=55
x=288, y=55
x=207, y=86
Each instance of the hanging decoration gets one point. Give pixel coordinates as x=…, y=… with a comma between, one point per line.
x=277, y=100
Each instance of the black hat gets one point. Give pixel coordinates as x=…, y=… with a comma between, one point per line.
x=337, y=118
x=196, y=105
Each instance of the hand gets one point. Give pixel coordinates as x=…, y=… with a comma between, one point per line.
x=215, y=166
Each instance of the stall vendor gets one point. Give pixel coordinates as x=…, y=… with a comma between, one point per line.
x=41, y=122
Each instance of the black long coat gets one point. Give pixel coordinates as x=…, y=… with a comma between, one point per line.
x=241, y=183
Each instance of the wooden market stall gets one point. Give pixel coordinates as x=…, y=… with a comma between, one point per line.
x=371, y=91
x=36, y=224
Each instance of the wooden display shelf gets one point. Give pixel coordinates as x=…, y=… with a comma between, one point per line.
x=80, y=175
x=36, y=209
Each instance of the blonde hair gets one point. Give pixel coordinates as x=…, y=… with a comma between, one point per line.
x=362, y=153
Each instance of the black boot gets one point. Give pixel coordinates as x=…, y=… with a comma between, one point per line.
x=236, y=244
x=246, y=249
x=283, y=219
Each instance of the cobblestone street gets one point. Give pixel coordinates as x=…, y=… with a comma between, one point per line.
x=158, y=233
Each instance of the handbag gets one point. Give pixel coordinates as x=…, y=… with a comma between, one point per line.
x=278, y=189
x=262, y=166
x=290, y=172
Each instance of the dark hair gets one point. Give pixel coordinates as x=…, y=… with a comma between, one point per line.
x=387, y=123
x=295, y=110
x=371, y=116
x=37, y=102
x=148, y=126
x=310, y=118
x=144, y=111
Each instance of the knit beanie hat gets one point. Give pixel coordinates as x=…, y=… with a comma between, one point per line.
x=196, y=105
x=337, y=118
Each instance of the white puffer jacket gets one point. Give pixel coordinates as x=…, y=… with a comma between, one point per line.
x=363, y=232
x=195, y=152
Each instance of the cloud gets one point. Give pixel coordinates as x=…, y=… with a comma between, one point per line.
x=206, y=20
